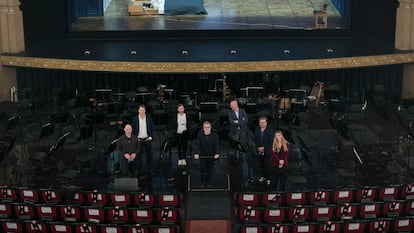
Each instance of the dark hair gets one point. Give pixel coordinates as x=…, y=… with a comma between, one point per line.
x=142, y=106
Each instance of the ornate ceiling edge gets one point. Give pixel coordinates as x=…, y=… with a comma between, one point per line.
x=207, y=67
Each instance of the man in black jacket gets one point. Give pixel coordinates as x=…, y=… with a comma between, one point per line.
x=128, y=148
x=263, y=138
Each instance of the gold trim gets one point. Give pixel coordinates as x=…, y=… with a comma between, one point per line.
x=207, y=67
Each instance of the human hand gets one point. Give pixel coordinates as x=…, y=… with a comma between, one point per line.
x=216, y=156
x=148, y=139
x=196, y=156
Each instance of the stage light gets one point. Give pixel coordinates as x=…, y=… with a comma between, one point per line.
x=233, y=52
x=87, y=52
x=329, y=50
x=133, y=52
x=184, y=52
x=286, y=51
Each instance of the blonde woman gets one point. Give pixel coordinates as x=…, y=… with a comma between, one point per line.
x=280, y=152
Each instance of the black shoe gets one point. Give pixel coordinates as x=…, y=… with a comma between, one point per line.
x=171, y=179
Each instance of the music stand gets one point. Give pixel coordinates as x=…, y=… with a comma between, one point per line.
x=47, y=130
x=60, y=142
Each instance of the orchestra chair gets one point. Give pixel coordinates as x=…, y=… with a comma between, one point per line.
x=407, y=191
x=169, y=200
x=347, y=211
x=96, y=198
x=279, y=228
x=27, y=195
x=24, y=211
x=8, y=194
x=323, y=213
x=343, y=196
x=409, y=207
x=393, y=208
x=369, y=210
x=108, y=228
x=358, y=226
x=165, y=229
x=50, y=196
x=60, y=227
x=252, y=228
x=403, y=224
x=93, y=214
x=246, y=199
x=69, y=213
x=85, y=227
x=35, y=227
x=117, y=214
x=304, y=227
x=137, y=228
x=119, y=199
x=299, y=214
x=12, y=226
x=320, y=197
x=330, y=227
x=389, y=193
x=143, y=200
x=249, y=214
x=273, y=199
x=47, y=212
x=275, y=214
x=296, y=198
x=380, y=225
x=366, y=194
x=141, y=216
x=167, y=216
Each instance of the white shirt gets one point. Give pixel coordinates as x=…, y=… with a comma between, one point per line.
x=142, y=127
x=182, y=123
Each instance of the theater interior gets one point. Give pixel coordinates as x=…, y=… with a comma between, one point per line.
x=72, y=74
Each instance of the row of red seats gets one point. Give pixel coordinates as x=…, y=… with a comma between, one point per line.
x=15, y=226
x=323, y=197
x=388, y=225
x=98, y=214
x=346, y=211
x=94, y=197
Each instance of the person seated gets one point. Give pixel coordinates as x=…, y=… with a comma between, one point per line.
x=128, y=148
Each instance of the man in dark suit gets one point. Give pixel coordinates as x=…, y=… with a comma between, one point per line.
x=238, y=123
x=143, y=127
x=263, y=138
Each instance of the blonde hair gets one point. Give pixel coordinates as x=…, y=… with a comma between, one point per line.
x=282, y=144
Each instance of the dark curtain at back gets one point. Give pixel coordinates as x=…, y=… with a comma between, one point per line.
x=43, y=81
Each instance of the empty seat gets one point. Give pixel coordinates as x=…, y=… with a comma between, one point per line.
x=246, y=199
x=275, y=215
x=117, y=214
x=272, y=199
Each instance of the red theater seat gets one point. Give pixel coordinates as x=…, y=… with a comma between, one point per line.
x=298, y=213
x=407, y=192
x=12, y=226
x=60, y=227
x=117, y=214
x=320, y=197
x=29, y=195
x=120, y=199
x=171, y=200
x=388, y=193
x=403, y=224
x=166, y=215
x=8, y=194
x=96, y=198
x=78, y=198
x=392, y=208
x=94, y=214
x=272, y=199
x=343, y=196
x=370, y=210
x=304, y=227
x=347, y=211
x=50, y=196
x=85, y=228
x=297, y=198
x=47, y=212
x=323, y=213
x=164, y=229
x=409, y=207
x=36, y=227
x=330, y=227
x=137, y=228
x=249, y=214
x=366, y=194
x=379, y=225
x=6, y=210
x=275, y=215
x=354, y=227
x=69, y=213
x=252, y=229
x=110, y=228
x=144, y=200
x=23, y=211
x=279, y=228
x=141, y=216
x=246, y=199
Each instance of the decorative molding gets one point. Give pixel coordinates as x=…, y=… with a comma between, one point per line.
x=207, y=67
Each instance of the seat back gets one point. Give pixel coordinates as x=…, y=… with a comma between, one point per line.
x=323, y=213
x=120, y=199
x=141, y=216
x=167, y=215
x=297, y=198
x=36, y=227
x=69, y=213
x=94, y=214
x=320, y=197
x=47, y=212
x=8, y=194
x=347, y=211
x=272, y=199
x=275, y=214
x=144, y=200
x=343, y=196
x=246, y=199
x=299, y=213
